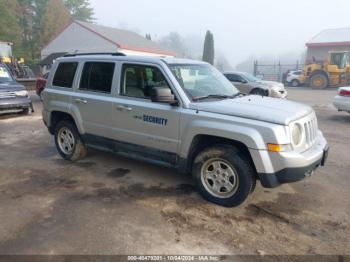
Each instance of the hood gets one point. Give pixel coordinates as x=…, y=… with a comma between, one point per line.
x=263, y=83
x=10, y=86
x=267, y=109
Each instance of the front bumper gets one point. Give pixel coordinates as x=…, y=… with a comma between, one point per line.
x=291, y=167
x=15, y=103
x=281, y=93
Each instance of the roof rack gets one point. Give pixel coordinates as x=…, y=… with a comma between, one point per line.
x=87, y=54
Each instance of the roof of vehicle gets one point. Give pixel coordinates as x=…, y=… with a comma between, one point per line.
x=236, y=72
x=114, y=57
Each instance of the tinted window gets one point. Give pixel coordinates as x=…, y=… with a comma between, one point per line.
x=65, y=74
x=137, y=81
x=234, y=78
x=97, y=77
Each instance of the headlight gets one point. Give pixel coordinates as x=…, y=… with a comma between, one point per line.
x=21, y=93
x=297, y=134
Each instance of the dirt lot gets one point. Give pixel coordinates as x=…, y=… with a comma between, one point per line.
x=108, y=204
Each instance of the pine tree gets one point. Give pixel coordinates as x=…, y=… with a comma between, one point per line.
x=209, y=51
x=148, y=37
x=80, y=10
x=10, y=31
x=56, y=18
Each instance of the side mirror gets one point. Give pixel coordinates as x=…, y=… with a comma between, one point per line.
x=243, y=81
x=163, y=95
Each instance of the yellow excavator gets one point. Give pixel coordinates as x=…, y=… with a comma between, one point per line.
x=334, y=71
x=17, y=66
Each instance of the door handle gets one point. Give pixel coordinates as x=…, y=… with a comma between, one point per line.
x=122, y=108
x=78, y=100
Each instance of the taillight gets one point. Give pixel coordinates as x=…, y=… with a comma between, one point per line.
x=344, y=92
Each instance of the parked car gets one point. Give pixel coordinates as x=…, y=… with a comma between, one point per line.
x=293, y=78
x=13, y=96
x=342, y=100
x=249, y=84
x=182, y=114
x=41, y=83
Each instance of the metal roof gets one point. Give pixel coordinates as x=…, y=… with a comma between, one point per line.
x=331, y=37
x=125, y=39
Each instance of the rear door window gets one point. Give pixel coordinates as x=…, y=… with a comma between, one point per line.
x=64, y=75
x=97, y=77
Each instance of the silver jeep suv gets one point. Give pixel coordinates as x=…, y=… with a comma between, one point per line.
x=182, y=114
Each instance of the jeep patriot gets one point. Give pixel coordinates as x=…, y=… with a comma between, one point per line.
x=183, y=114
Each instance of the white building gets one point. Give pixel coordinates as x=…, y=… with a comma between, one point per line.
x=328, y=40
x=82, y=37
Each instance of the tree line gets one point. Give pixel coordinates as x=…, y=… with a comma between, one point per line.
x=31, y=24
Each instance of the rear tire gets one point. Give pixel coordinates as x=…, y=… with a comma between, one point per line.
x=319, y=81
x=259, y=92
x=223, y=176
x=68, y=141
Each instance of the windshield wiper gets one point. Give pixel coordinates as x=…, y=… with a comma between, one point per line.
x=209, y=96
x=215, y=96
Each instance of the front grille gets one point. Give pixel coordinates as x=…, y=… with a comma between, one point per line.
x=7, y=95
x=310, y=131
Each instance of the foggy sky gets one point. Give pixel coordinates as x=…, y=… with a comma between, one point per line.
x=241, y=28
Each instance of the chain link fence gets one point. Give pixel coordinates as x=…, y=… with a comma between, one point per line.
x=276, y=71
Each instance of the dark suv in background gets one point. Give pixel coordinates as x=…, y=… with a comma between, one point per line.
x=13, y=96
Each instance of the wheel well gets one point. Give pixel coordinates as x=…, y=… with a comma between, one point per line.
x=266, y=92
x=56, y=117
x=200, y=142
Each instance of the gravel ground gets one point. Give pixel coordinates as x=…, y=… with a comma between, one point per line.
x=107, y=204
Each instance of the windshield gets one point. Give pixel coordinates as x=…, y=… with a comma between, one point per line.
x=202, y=81
x=250, y=77
x=5, y=75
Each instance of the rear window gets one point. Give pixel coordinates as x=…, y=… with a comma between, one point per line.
x=64, y=75
x=97, y=77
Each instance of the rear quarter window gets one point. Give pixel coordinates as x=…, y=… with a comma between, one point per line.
x=64, y=75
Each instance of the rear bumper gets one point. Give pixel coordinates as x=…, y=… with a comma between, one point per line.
x=15, y=103
x=342, y=103
x=290, y=175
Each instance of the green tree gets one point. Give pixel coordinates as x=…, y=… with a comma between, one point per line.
x=80, y=10
x=39, y=7
x=209, y=50
x=56, y=18
x=10, y=30
x=148, y=37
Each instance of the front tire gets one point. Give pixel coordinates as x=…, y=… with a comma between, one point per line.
x=25, y=111
x=68, y=141
x=295, y=83
x=223, y=176
x=319, y=81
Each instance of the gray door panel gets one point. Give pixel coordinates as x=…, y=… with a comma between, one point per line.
x=145, y=123
x=95, y=111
